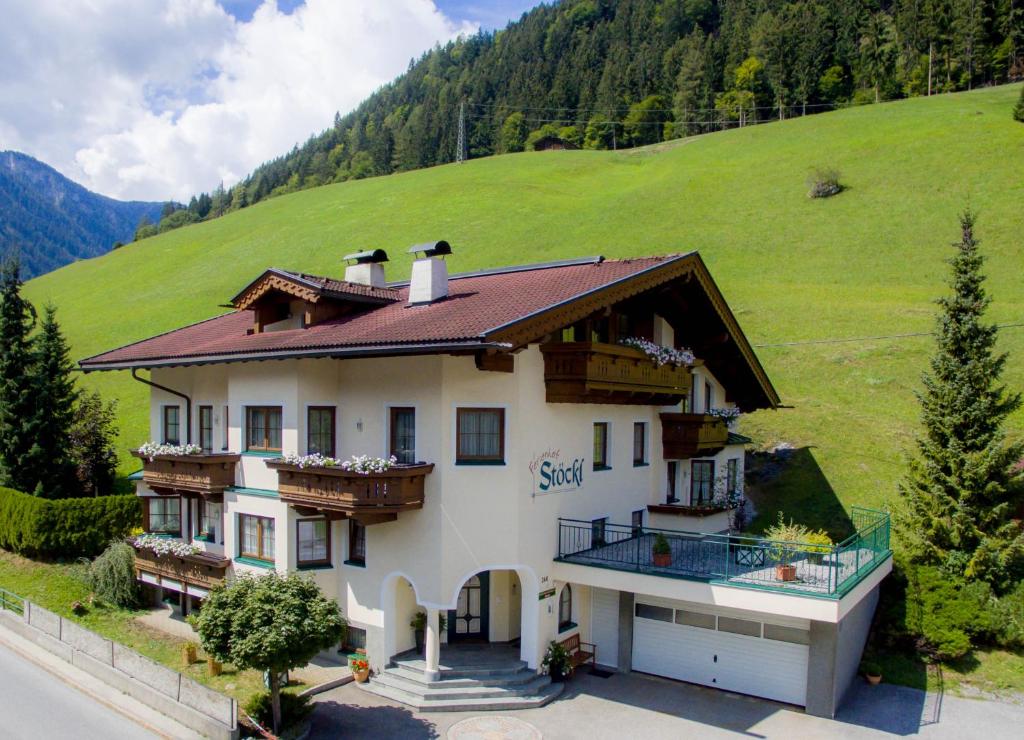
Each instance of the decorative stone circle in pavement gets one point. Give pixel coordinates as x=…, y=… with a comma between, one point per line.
x=493, y=728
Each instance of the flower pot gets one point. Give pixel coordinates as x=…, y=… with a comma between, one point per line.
x=420, y=645
x=785, y=572
x=214, y=666
x=361, y=675
x=662, y=559
x=873, y=679
x=188, y=653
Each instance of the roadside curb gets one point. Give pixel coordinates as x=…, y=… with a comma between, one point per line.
x=327, y=686
x=80, y=681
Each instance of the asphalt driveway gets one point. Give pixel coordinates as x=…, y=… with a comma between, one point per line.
x=637, y=706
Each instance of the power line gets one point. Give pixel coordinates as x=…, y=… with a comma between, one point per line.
x=844, y=340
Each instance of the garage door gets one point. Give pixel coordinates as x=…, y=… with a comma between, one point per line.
x=736, y=651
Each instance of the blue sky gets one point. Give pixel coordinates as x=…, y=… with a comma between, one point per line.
x=489, y=14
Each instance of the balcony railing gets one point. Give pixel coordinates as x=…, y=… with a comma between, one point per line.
x=208, y=474
x=692, y=435
x=370, y=497
x=733, y=559
x=202, y=569
x=592, y=372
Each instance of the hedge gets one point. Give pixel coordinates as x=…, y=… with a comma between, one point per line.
x=73, y=527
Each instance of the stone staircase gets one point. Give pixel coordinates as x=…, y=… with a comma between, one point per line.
x=482, y=679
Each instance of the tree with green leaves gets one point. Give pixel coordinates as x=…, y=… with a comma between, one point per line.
x=964, y=481
x=878, y=52
x=17, y=318
x=1018, y=111
x=271, y=623
x=94, y=444
x=53, y=411
x=513, y=133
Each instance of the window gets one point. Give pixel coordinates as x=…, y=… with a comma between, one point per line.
x=355, y=639
x=709, y=397
x=637, y=522
x=206, y=428
x=695, y=619
x=673, y=472
x=786, y=634
x=565, y=609
x=224, y=446
x=732, y=475
x=639, y=443
x=209, y=521
x=702, y=476
x=403, y=434
x=739, y=626
x=356, y=542
x=314, y=542
x=164, y=515
x=649, y=611
x=320, y=430
x=597, y=532
x=263, y=427
x=601, y=445
x=481, y=436
x=256, y=537
x=172, y=425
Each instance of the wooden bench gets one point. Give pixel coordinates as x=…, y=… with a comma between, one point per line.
x=577, y=655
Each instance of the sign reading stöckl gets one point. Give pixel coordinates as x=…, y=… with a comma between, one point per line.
x=553, y=473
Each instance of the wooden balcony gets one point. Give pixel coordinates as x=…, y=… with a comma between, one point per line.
x=591, y=372
x=174, y=474
x=202, y=570
x=370, y=498
x=692, y=435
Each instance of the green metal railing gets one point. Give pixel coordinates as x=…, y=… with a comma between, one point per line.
x=11, y=602
x=736, y=559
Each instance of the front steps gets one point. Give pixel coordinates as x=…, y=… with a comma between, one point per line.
x=469, y=682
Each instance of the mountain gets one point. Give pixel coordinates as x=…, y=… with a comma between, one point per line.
x=51, y=220
x=817, y=285
x=621, y=73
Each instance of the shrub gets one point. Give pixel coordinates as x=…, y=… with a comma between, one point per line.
x=64, y=527
x=294, y=709
x=824, y=183
x=112, y=575
x=556, y=661
x=1018, y=111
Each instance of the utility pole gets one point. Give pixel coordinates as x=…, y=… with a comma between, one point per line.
x=460, y=155
x=931, y=50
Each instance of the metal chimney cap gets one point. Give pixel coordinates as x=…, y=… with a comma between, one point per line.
x=367, y=257
x=432, y=249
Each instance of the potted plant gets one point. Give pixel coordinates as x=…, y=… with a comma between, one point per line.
x=556, y=662
x=784, y=540
x=213, y=666
x=872, y=672
x=661, y=552
x=419, y=626
x=189, y=652
x=360, y=668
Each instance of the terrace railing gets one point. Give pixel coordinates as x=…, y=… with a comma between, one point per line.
x=11, y=602
x=736, y=559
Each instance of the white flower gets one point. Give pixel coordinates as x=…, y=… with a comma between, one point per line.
x=361, y=464
x=164, y=545
x=152, y=449
x=660, y=355
x=731, y=414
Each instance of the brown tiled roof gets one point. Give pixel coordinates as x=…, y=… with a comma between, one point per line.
x=477, y=305
x=343, y=288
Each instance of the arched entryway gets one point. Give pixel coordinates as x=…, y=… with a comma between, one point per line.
x=490, y=607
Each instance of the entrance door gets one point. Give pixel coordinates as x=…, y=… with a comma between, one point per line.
x=469, y=619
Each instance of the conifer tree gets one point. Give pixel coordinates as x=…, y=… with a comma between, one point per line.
x=50, y=458
x=963, y=483
x=16, y=321
x=1018, y=111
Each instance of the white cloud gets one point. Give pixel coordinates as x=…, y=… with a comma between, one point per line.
x=156, y=99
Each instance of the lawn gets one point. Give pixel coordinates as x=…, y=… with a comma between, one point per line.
x=56, y=586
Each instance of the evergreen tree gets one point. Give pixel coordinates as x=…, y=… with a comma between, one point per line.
x=963, y=483
x=16, y=387
x=49, y=459
x=1018, y=111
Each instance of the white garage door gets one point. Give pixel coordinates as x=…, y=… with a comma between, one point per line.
x=735, y=651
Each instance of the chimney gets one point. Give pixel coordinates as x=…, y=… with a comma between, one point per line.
x=366, y=268
x=429, y=280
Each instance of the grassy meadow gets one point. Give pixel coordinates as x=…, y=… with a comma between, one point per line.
x=866, y=263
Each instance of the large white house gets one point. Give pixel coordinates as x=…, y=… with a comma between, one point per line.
x=538, y=460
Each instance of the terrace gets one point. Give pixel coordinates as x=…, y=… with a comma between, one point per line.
x=735, y=560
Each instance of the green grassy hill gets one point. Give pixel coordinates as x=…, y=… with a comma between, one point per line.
x=866, y=263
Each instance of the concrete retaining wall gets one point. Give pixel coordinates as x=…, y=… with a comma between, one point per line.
x=179, y=697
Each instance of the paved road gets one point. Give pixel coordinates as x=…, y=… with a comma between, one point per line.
x=36, y=705
x=647, y=708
